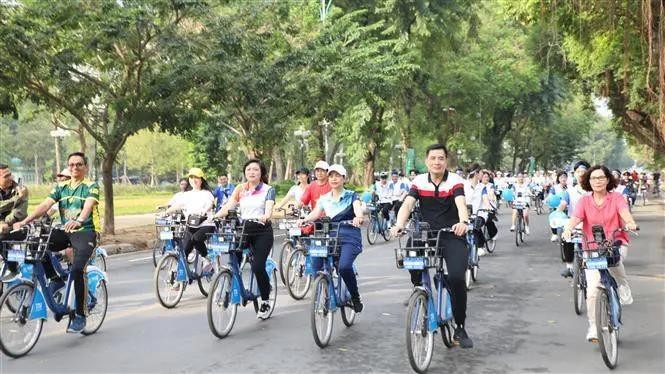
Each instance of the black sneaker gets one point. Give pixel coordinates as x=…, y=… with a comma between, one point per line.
x=357, y=304
x=567, y=273
x=264, y=311
x=460, y=337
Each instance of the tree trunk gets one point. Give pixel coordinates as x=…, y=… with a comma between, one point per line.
x=107, y=181
x=279, y=164
x=661, y=69
x=82, y=141
x=501, y=124
x=289, y=169
x=370, y=157
x=152, y=175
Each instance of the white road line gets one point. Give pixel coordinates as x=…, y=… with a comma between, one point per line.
x=141, y=259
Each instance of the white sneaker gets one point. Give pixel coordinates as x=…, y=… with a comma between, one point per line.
x=526, y=230
x=206, y=265
x=264, y=310
x=512, y=228
x=592, y=334
x=554, y=238
x=191, y=257
x=625, y=296
x=481, y=252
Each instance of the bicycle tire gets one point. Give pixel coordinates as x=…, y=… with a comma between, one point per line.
x=348, y=315
x=467, y=278
x=220, y=297
x=490, y=245
x=295, y=275
x=172, y=261
x=372, y=230
x=157, y=252
x=287, y=249
x=517, y=232
x=321, y=306
x=25, y=291
x=97, y=314
x=447, y=334
x=416, y=330
x=579, y=293
x=607, y=335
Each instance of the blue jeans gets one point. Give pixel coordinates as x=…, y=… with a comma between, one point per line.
x=351, y=247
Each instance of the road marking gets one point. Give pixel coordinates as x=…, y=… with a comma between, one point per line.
x=141, y=259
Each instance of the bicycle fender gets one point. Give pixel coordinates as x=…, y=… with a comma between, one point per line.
x=236, y=292
x=308, y=265
x=101, y=251
x=181, y=275
x=432, y=317
x=270, y=266
x=38, y=308
x=95, y=275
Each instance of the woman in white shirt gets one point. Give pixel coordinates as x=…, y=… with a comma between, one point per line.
x=256, y=200
x=296, y=191
x=196, y=205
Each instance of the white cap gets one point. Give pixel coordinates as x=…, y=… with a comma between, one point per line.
x=64, y=173
x=337, y=168
x=321, y=165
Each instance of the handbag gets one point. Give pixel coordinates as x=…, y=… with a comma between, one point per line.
x=196, y=219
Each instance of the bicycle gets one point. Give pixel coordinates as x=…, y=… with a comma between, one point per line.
x=173, y=273
x=299, y=273
x=427, y=312
x=377, y=224
x=471, y=274
x=608, y=306
x=537, y=197
x=579, y=277
x=228, y=287
x=490, y=244
x=23, y=308
x=164, y=225
x=519, y=224
x=292, y=241
x=330, y=292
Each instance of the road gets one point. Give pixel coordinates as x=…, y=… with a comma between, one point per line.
x=520, y=317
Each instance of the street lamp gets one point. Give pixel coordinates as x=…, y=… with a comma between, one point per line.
x=302, y=135
x=58, y=134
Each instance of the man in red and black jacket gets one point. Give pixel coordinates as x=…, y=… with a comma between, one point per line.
x=442, y=205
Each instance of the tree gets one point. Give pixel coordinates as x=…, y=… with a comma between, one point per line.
x=116, y=67
x=158, y=154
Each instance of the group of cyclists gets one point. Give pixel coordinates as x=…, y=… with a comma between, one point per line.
x=444, y=199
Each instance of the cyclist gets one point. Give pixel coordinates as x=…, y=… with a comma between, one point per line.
x=630, y=188
x=13, y=208
x=223, y=191
x=256, y=200
x=183, y=186
x=609, y=209
x=341, y=204
x=296, y=191
x=398, y=190
x=77, y=200
x=522, y=193
x=476, y=195
x=197, y=205
x=384, y=195
x=442, y=204
x=491, y=204
x=318, y=188
x=575, y=193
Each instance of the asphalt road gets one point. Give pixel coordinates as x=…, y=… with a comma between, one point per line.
x=520, y=317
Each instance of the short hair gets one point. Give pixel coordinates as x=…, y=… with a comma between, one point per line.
x=436, y=147
x=559, y=174
x=581, y=163
x=79, y=154
x=586, y=180
x=473, y=167
x=4, y=166
x=262, y=167
x=413, y=171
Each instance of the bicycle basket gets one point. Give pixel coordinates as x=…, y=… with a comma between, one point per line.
x=23, y=251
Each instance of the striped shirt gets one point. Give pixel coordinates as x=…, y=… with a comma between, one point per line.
x=437, y=202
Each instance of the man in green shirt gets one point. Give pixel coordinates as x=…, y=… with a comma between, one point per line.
x=77, y=202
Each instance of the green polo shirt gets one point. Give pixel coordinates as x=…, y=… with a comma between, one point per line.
x=71, y=198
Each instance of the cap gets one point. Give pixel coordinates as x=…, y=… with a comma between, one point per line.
x=196, y=172
x=337, y=168
x=383, y=174
x=64, y=173
x=394, y=172
x=581, y=163
x=321, y=165
x=302, y=171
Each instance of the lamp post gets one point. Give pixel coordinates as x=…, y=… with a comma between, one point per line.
x=398, y=148
x=57, y=135
x=302, y=135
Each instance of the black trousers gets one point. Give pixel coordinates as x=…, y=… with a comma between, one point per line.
x=456, y=254
x=260, y=239
x=195, y=237
x=84, y=244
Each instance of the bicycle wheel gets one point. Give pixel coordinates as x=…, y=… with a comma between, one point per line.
x=169, y=290
x=272, y=298
x=205, y=280
x=97, y=306
x=474, y=273
x=321, y=315
x=517, y=232
x=490, y=245
x=99, y=261
x=221, y=313
x=419, y=340
x=384, y=230
x=467, y=278
x=18, y=334
x=579, y=293
x=447, y=334
x=348, y=315
x=372, y=230
x=607, y=335
x=521, y=220
x=284, y=255
x=298, y=281
x=157, y=252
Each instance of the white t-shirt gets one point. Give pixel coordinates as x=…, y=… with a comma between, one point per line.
x=174, y=200
x=383, y=192
x=524, y=190
x=296, y=192
x=197, y=202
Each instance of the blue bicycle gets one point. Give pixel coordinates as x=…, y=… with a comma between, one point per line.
x=228, y=287
x=427, y=311
x=608, y=306
x=164, y=243
x=23, y=307
x=173, y=273
x=471, y=274
x=377, y=224
x=330, y=292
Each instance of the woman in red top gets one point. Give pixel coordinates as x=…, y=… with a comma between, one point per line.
x=609, y=209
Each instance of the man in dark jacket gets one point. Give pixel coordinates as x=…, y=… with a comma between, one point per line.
x=13, y=208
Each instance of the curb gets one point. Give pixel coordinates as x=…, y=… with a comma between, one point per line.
x=114, y=249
